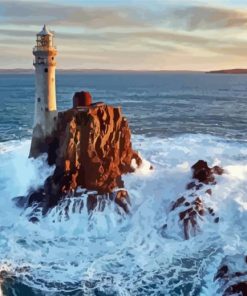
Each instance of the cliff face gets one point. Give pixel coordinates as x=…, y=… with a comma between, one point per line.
x=91, y=148
x=94, y=149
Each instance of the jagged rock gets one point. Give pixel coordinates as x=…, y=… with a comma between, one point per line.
x=190, y=207
x=192, y=211
x=209, y=191
x=120, y=197
x=90, y=148
x=178, y=203
x=205, y=174
x=40, y=199
x=122, y=200
x=94, y=150
x=236, y=289
x=232, y=275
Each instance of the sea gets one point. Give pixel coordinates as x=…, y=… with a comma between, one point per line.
x=175, y=119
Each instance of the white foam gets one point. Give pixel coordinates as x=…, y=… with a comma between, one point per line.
x=127, y=254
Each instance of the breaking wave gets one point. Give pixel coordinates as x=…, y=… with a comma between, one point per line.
x=108, y=253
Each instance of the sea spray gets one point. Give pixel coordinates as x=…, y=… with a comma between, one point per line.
x=127, y=255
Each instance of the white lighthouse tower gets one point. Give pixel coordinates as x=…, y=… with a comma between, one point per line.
x=45, y=114
x=45, y=82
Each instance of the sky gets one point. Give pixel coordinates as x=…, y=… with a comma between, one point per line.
x=128, y=35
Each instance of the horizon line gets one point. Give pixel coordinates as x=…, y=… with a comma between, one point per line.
x=97, y=70
x=31, y=70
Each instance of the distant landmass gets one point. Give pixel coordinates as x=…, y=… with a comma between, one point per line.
x=229, y=71
x=105, y=71
x=88, y=71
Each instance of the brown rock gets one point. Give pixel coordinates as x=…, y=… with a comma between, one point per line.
x=91, y=202
x=190, y=215
x=237, y=289
x=204, y=174
x=209, y=191
x=217, y=170
x=120, y=197
x=92, y=150
x=178, y=203
x=191, y=185
x=232, y=281
x=122, y=200
x=195, y=209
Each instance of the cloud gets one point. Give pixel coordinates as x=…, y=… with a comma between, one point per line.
x=209, y=18
x=24, y=12
x=176, y=16
x=132, y=41
x=17, y=33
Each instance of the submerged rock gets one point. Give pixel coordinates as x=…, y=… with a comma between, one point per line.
x=190, y=207
x=90, y=148
x=232, y=275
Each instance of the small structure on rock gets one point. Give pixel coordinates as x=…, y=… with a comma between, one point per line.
x=82, y=99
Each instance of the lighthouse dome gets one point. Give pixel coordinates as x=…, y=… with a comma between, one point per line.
x=44, y=32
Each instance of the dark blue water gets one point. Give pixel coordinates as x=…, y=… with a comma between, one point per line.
x=155, y=104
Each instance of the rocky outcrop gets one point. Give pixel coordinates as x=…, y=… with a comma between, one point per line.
x=232, y=275
x=190, y=207
x=90, y=148
x=94, y=150
x=204, y=174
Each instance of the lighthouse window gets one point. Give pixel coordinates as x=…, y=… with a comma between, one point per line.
x=46, y=70
x=38, y=100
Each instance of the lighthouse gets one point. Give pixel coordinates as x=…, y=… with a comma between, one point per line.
x=45, y=114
